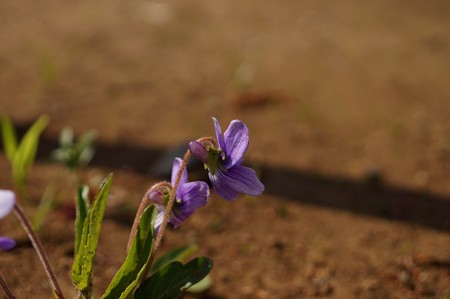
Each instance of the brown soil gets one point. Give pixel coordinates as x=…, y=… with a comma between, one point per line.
x=347, y=104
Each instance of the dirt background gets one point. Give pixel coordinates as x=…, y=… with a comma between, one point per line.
x=347, y=104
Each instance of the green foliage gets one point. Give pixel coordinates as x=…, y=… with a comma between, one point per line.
x=74, y=153
x=82, y=208
x=171, y=280
x=9, y=138
x=22, y=155
x=178, y=254
x=45, y=206
x=82, y=266
x=129, y=275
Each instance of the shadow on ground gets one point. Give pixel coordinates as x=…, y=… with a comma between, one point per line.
x=370, y=197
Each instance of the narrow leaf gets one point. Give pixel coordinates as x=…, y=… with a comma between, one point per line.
x=82, y=208
x=45, y=206
x=129, y=274
x=171, y=280
x=26, y=151
x=9, y=138
x=82, y=266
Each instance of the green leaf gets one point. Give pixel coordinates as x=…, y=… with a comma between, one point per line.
x=9, y=138
x=173, y=279
x=85, y=148
x=178, y=254
x=129, y=274
x=26, y=151
x=82, y=266
x=45, y=206
x=74, y=153
x=82, y=208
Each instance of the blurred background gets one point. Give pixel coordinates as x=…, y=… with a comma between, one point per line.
x=336, y=95
x=338, y=88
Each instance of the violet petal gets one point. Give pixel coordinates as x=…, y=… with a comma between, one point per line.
x=7, y=201
x=236, y=142
x=175, y=168
x=159, y=218
x=156, y=196
x=218, y=181
x=192, y=196
x=7, y=243
x=219, y=135
x=243, y=180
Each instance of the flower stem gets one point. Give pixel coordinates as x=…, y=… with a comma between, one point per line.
x=144, y=203
x=6, y=288
x=39, y=250
x=167, y=214
x=208, y=139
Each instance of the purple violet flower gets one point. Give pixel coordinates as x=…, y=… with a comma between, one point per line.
x=227, y=175
x=190, y=196
x=7, y=201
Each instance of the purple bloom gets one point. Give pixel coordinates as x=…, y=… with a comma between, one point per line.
x=158, y=196
x=7, y=243
x=190, y=196
x=7, y=201
x=227, y=175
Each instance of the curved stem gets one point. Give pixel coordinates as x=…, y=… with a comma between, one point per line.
x=209, y=139
x=167, y=213
x=6, y=288
x=144, y=203
x=39, y=250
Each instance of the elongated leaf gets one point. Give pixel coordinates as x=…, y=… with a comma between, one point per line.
x=179, y=254
x=82, y=208
x=26, y=151
x=45, y=206
x=171, y=280
x=82, y=266
x=9, y=138
x=129, y=274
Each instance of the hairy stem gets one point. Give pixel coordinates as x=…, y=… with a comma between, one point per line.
x=39, y=250
x=144, y=203
x=208, y=139
x=167, y=213
x=6, y=288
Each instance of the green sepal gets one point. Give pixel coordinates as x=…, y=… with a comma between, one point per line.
x=82, y=266
x=129, y=275
x=171, y=280
x=214, y=156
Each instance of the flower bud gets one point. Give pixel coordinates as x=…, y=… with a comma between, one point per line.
x=199, y=151
x=159, y=194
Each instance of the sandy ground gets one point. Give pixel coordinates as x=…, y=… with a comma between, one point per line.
x=348, y=110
